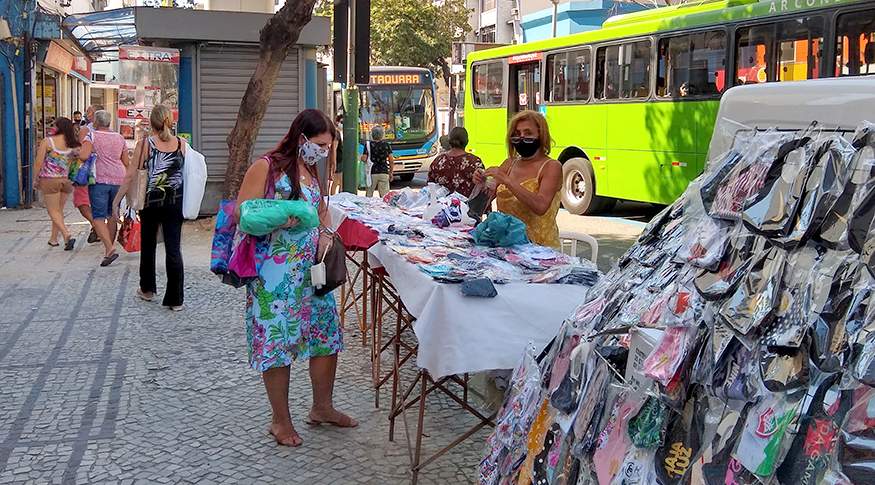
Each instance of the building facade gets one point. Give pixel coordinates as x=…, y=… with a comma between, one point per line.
x=217, y=53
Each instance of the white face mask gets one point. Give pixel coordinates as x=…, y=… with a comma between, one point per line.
x=312, y=153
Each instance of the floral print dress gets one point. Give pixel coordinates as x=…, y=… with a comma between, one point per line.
x=285, y=320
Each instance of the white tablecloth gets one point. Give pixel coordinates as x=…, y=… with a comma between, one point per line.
x=459, y=334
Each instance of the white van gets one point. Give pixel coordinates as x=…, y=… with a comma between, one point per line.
x=832, y=102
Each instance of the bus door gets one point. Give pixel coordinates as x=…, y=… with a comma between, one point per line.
x=525, y=83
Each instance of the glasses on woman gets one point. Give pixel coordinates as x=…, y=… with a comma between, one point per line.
x=523, y=139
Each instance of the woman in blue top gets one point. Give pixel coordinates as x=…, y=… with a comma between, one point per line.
x=285, y=320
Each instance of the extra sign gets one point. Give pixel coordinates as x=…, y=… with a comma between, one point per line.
x=149, y=54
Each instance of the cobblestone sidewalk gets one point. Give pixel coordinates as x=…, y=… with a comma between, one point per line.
x=97, y=386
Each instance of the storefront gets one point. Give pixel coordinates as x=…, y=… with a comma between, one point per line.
x=61, y=80
x=214, y=55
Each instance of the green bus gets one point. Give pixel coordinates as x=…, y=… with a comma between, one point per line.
x=632, y=106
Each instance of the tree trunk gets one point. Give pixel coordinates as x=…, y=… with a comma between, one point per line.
x=277, y=37
x=445, y=69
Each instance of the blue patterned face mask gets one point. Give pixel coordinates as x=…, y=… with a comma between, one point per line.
x=312, y=153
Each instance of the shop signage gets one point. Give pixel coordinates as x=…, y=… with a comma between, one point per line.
x=520, y=58
x=58, y=58
x=151, y=54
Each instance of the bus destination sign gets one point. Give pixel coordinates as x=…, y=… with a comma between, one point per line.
x=396, y=79
x=528, y=57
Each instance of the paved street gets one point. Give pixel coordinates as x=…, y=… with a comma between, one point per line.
x=101, y=387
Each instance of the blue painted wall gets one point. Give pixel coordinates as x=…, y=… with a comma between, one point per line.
x=12, y=72
x=573, y=18
x=185, y=123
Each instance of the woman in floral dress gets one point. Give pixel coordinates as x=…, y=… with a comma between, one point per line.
x=455, y=168
x=285, y=320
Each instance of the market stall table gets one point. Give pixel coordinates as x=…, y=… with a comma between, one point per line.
x=460, y=335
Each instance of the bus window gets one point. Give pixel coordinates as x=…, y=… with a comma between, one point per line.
x=623, y=71
x=568, y=76
x=692, y=65
x=785, y=51
x=855, y=47
x=488, y=84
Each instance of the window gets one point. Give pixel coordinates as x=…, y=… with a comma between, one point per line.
x=692, y=65
x=855, y=47
x=487, y=35
x=488, y=5
x=623, y=71
x=785, y=51
x=488, y=84
x=568, y=76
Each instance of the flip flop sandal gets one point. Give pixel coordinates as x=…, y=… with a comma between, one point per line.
x=109, y=259
x=53, y=245
x=143, y=296
x=68, y=246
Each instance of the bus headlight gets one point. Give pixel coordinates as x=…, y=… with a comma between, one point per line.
x=434, y=149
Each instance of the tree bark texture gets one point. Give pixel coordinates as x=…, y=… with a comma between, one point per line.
x=277, y=38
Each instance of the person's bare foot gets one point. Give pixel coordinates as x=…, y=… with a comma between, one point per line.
x=285, y=434
x=329, y=415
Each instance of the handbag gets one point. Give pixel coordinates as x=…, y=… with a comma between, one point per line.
x=334, y=260
x=137, y=191
x=129, y=234
x=84, y=171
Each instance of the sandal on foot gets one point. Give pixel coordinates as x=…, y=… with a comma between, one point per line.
x=68, y=246
x=93, y=237
x=109, y=259
x=54, y=245
x=145, y=296
x=342, y=421
x=288, y=437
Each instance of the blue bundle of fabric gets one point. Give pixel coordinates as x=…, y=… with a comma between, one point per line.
x=500, y=230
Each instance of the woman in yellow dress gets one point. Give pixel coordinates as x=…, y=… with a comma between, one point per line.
x=527, y=184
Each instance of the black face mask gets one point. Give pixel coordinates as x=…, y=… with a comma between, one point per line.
x=526, y=147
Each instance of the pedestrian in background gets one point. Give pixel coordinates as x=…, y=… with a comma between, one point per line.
x=337, y=181
x=52, y=164
x=109, y=173
x=383, y=163
x=455, y=168
x=80, y=194
x=285, y=319
x=77, y=120
x=161, y=155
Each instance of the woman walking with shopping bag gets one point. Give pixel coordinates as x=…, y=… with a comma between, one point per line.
x=161, y=156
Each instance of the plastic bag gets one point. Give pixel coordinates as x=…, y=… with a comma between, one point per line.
x=772, y=210
x=614, y=442
x=129, y=234
x=714, y=285
x=260, y=217
x=500, y=230
x=765, y=439
x=826, y=181
x=194, y=178
x=755, y=300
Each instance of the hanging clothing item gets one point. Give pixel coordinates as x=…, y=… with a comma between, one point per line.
x=541, y=230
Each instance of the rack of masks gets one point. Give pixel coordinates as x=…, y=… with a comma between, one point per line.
x=733, y=344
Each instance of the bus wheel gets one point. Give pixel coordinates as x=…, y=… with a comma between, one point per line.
x=406, y=177
x=578, y=184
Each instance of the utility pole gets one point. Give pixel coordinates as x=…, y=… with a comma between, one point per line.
x=350, y=110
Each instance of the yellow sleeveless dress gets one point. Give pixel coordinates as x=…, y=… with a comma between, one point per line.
x=541, y=230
